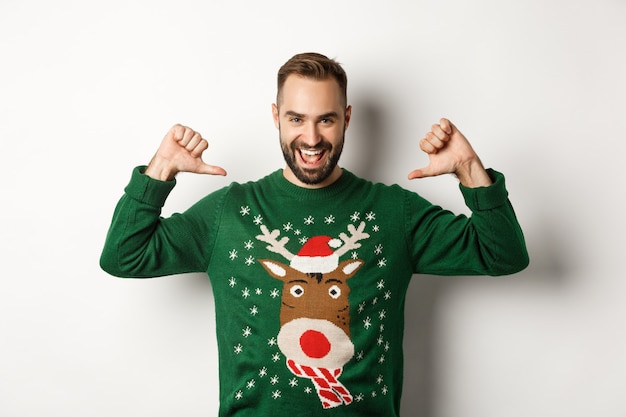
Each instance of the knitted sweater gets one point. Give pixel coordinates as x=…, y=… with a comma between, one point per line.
x=310, y=284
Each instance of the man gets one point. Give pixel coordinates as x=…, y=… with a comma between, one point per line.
x=310, y=265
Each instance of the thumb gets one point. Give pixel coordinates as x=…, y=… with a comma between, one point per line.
x=211, y=170
x=421, y=173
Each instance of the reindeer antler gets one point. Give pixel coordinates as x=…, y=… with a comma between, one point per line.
x=352, y=241
x=275, y=245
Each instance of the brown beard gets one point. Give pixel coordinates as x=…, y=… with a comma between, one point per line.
x=312, y=176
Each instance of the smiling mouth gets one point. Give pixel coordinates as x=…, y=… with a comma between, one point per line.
x=312, y=156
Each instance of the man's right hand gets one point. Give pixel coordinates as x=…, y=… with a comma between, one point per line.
x=181, y=151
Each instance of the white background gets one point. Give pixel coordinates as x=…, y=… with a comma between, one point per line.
x=88, y=89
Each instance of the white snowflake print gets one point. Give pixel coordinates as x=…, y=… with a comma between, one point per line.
x=246, y=332
x=356, y=216
x=330, y=219
x=303, y=240
x=249, y=260
x=276, y=394
x=287, y=226
x=297, y=232
x=360, y=355
x=238, y=395
x=384, y=390
x=359, y=397
x=354, y=255
x=274, y=293
x=379, y=380
x=381, y=360
x=258, y=291
x=367, y=323
x=308, y=390
x=380, y=284
x=274, y=380
x=248, y=245
x=245, y=293
x=258, y=219
x=263, y=372
x=238, y=349
x=380, y=340
x=232, y=254
x=376, y=228
x=382, y=315
x=370, y=216
x=275, y=357
x=244, y=210
x=382, y=263
x=293, y=382
x=361, y=307
x=232, y=282
x=387, y=295
x=254, y=310
x=378, y=249
x=309, y=220
x=250, y=384
x=272, y=341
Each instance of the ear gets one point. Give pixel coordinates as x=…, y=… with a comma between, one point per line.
x=275, y=116
x=349, y=267
x=348, y=116
x=276, y=269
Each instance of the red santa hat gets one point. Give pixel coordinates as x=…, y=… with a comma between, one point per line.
x=317, y=255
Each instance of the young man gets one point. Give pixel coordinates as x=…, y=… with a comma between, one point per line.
x=310, y=265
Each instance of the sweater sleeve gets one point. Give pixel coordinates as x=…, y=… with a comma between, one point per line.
x=489, y=242
x=142, y=244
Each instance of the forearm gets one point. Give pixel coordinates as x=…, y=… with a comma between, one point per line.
x=139, y=242
x=491, y=242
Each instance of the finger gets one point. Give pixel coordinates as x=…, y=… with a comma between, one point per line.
x=446, y=125
x=431, y=144
x=187, y=136
x=193, y=142
x=440, y=133
x=176, y=132
x=201, y=146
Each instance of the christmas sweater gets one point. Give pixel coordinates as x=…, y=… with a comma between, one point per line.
x=310, y=284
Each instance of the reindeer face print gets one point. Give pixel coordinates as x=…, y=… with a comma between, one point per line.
x=315, y=314
x=315, y=311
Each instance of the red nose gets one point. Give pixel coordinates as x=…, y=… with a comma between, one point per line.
x=314, y=344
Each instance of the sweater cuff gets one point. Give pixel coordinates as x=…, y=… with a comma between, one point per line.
x=486, y=198
x=147, y=190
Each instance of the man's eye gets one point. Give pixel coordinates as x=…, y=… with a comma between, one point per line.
x=295, y=120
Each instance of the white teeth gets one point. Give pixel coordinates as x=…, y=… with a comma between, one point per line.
x=310, y=152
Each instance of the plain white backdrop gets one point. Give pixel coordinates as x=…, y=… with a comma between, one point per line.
x=88, y=89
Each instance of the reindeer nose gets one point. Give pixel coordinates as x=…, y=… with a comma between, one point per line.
x=314, y=344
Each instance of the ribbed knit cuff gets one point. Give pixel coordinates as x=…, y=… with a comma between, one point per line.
x=486, y=198
x=147, y=190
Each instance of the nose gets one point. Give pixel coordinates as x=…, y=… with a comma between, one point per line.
x=314, y=344
x=312, y=136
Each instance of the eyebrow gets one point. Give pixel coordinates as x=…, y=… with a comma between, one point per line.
x=329, y=115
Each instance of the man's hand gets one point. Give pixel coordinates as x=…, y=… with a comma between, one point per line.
x=450, y=152
x=181, y=151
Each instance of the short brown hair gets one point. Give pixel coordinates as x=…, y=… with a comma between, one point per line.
x=315, y=66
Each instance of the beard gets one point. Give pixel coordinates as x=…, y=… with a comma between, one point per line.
x=315, y=175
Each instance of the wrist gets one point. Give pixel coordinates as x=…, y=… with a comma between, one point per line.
x=473, y=174
x=160, y=169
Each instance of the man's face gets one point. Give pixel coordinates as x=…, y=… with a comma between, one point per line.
x=312, y=119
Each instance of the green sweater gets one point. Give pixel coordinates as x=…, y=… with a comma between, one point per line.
x=310, y=284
